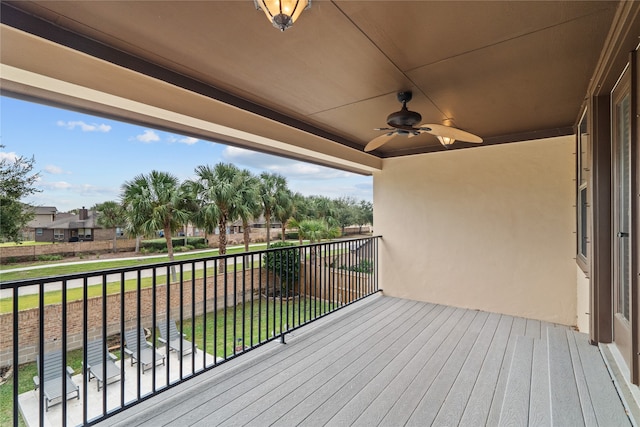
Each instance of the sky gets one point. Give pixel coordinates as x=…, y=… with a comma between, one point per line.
x=84, y=160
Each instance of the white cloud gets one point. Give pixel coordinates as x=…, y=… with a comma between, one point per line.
x=148, y=136
x=291, y=169
x=55, y=170
x=189, y=140
x=12, y=156
x=79, y=189
x=56, y=185
x=85, y=127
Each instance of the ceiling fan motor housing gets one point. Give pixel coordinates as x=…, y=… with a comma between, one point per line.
x=404, y=118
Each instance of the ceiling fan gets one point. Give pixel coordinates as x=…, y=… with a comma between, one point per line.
x=404, y=122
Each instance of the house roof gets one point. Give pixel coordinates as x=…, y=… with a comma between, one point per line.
x=506, y=71
x=45, y=210
x=72, y=221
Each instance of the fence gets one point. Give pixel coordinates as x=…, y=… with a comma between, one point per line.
x=222, y=308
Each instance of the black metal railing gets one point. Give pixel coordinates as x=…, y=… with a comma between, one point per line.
x=217, y=308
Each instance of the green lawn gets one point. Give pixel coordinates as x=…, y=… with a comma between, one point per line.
x=25, y=243
x=26, y=302
x=263, y=320
x=56, y=270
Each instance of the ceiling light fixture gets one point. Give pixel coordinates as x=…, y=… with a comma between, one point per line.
x=446, y=140
x=282, y=13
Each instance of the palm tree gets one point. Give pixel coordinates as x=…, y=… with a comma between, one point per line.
x=111, y=215
x=271, y=187
x=153, y=202
x=313, y=230
x=249, y=207
x=218, y=192
x=284, y=210
x=300, y=213
x=205, y=214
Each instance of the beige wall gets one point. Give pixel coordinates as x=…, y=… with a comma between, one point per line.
x=490, y=228
x=583, y=300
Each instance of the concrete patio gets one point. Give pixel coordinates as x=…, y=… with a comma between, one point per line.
x=389, y=361
x=28, y=402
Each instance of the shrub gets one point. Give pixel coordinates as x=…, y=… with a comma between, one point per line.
x=160, y=245
x=285, y=263
x=49, y=257
x=365, y=266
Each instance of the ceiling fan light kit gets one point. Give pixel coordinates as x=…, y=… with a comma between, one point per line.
x=446, y=140
x=282, y=13
x=404, y=122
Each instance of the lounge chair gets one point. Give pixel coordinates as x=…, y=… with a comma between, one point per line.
x=174, y=338
x=51, y=379
x=96, y=362
x=147, y=356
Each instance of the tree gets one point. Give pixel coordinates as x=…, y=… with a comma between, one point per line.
x=365, y=214
x=218, y=191
x=271, y=185
x=16, y=183
x=300, y=213
x=111, y=215
x=249, y=207
x=345, y=211
x=156, y=201
x=284, y=210
x=324, y=208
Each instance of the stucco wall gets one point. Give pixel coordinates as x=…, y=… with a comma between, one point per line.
x=490, y=228
x=583, y=300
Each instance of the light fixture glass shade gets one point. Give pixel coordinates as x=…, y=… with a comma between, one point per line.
x=282, y=13
x=446, y=141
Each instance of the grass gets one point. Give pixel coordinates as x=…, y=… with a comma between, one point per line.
x=259, y=324
x=28, y=301
x=57, y=270
x=25, y=243
x=263, y=320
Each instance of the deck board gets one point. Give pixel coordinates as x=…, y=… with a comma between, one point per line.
x=601, y=389
x=539, y=405
x=515, y=410
x=518, y=328
x=450, y=412
x=583, y=391
x=565, y=403
x=479, y=404
x=384, y=361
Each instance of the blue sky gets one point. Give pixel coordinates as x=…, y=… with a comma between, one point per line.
x=83, y=159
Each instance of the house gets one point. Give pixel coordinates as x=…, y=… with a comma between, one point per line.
x=42, y=217
x=540, y=221
x=67, y=227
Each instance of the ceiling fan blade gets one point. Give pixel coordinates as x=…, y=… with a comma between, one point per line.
x=451, y=132
x=379, y=141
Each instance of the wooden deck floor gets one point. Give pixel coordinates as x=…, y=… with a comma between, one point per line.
x=392, y=362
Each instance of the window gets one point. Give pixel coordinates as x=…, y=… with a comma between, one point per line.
x=39, y=231
x=119, y=232
x=58, y=234
x=582, y=193
x=84, y=233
